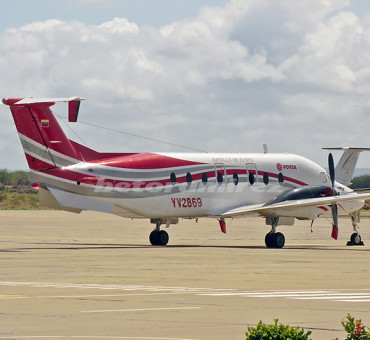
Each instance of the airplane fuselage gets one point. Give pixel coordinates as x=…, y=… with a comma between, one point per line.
x=165, y=185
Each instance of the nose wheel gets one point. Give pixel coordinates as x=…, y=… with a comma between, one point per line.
x=355, y=239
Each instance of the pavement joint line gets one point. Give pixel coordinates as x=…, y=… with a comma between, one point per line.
x=137, y=309
x=6, y=297
x=90, y=337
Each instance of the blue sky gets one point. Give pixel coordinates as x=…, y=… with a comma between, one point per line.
x=216, y=75
x=15, y=13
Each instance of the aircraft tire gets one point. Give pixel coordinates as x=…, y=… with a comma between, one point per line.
x=154, y=238
x=163, y=238
x=159, y=237
x=269, y=240
x=279, y=240
x=356, y=239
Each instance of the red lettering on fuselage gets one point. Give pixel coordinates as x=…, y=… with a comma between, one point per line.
x=187, y=202
x=290, y=167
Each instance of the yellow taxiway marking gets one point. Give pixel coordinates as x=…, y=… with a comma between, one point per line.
x=9, y=296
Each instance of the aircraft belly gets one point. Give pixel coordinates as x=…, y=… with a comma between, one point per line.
x=190, y=204
x=188, y=201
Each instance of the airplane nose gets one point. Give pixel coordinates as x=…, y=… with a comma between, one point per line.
x=353, y=206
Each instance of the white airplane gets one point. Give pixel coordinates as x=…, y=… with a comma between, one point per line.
x=164, y=187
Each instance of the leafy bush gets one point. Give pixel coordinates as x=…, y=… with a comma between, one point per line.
x=14, y=178
x=276, y=332
x=355, y=329
x=361, y=182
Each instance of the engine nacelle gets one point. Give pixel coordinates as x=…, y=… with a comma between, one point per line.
x=304, y=193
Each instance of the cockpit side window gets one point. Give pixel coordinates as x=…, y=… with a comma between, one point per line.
x=323, y=177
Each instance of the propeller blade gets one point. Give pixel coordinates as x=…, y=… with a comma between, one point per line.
x=334, y=207
x=331, y=169
x=222, y=225
x=334, y=211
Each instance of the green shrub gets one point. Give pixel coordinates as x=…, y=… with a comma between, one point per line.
x=355, y=329
x=276, y=332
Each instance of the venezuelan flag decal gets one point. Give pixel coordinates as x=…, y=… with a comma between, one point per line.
x=45, y=122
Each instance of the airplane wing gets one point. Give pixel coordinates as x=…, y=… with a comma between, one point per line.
x=278, y=208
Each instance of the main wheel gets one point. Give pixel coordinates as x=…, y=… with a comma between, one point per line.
x=154, y=237
x=163, y=238
x=158, y=237
x=269, y=240
x=279, y=239
x=356, y=238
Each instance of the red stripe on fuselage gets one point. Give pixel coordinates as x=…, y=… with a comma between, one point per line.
x=145, y=161
x=286, y=178
x=74, y=176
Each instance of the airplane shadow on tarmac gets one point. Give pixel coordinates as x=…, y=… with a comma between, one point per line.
x=89, y=246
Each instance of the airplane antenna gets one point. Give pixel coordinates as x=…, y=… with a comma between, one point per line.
x=147, y=138
x=265, y=150
x=73, y=131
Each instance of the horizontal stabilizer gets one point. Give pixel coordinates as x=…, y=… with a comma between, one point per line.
x=72, y=200
x=47, y=200
x=73, y=104
x=32, y=100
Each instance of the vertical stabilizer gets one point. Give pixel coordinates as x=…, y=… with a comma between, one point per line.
x=347, y=163
x=43, y=140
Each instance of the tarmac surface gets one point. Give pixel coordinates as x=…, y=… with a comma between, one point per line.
x=95, y=276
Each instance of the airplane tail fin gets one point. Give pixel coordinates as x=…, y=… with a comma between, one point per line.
x=347, y=163
x=44, y=142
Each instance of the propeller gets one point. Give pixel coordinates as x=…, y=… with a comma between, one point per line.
x=334, y=207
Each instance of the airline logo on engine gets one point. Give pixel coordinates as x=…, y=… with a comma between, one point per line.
x=280, y=167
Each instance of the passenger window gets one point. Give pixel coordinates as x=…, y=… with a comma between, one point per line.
x=220, y=173
x=173, y=178
x=252, y=173
x=189, y=178
x=220, y=178
x=281, y=178
x=235, y=178
x=266, y=178
x=204, y=178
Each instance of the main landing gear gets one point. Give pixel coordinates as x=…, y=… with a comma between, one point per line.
x=274, y=239
x=158, y=237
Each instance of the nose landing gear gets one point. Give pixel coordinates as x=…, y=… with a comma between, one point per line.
x=355, y=239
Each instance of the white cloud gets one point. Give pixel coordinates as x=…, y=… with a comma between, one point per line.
x=119, y=25
x=292, y=74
